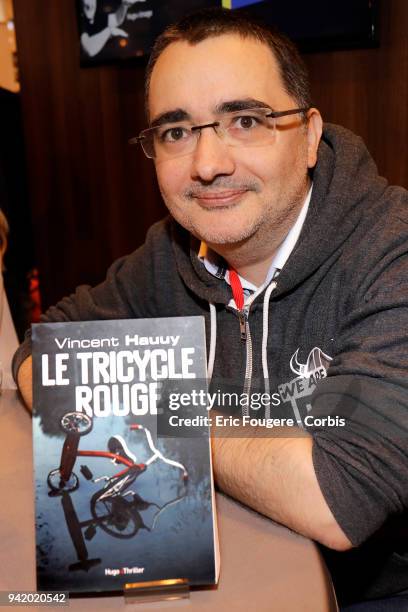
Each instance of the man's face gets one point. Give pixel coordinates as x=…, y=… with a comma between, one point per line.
x=89, y=8
x=225, y=195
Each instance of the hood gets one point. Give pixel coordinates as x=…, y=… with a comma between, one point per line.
x=345, y=183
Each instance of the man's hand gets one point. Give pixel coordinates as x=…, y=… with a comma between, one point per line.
x=275, y=476
x=25, y=382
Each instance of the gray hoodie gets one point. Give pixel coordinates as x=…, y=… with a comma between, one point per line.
x=333, y=342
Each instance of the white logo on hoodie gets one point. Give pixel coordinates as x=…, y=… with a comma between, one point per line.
x=316, y=364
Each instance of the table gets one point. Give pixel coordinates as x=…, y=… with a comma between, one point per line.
x=264, y=566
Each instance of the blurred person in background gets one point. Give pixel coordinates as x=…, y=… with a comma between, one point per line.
x=8, y=337
x=19, y=261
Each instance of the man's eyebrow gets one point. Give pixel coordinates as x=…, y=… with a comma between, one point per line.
x=236, y=105
x=179, y=114
x=172, y=116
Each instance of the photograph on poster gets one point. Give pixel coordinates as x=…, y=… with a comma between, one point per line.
x=111, y=30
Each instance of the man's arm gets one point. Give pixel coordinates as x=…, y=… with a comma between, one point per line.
x=25, y=381
x=95, y=43
x=357, y=477
x=275, y=476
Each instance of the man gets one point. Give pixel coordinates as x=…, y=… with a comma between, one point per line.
x=290, y=244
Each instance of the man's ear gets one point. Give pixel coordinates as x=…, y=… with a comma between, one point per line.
x=314, y=133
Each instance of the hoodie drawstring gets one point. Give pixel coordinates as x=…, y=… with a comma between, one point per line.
x=213, y=341
x=265, y=313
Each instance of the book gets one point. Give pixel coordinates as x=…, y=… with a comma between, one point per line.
x=123, y=481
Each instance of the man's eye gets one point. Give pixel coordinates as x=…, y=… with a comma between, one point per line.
x=246, y=122
x=173, y=134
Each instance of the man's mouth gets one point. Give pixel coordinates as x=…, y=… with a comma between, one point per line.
x=218, y=198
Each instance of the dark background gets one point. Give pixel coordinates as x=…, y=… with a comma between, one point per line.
x=92, y=196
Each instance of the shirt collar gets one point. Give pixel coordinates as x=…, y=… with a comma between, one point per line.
x=288, y=244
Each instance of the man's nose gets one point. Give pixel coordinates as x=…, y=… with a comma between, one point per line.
x=212, y=157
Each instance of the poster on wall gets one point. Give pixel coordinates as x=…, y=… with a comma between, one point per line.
x=111, y=30
x=120, y=29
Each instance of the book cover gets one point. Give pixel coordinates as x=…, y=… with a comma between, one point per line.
x=123, y=481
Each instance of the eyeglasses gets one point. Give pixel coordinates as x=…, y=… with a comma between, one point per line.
x=252, y=127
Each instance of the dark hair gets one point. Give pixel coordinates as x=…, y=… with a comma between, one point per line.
x=209, y=23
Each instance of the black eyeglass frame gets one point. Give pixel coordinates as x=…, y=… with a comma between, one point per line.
x=272, y=114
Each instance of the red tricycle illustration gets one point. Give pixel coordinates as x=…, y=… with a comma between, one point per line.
x=78, y=424
x=115, y=509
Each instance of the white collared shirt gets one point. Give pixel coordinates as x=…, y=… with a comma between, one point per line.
x=286, y=247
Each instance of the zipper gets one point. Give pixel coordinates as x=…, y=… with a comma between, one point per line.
x=245, y=332
x=246, y=337
x=242, y=316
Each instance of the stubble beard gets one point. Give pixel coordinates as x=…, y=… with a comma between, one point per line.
x=264, y=231
x=261, y=236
